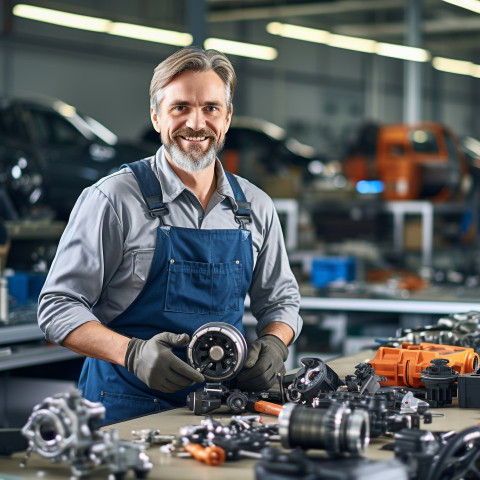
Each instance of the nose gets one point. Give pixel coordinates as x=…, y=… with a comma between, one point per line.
x=195, y=120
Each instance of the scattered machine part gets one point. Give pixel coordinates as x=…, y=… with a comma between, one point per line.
x=63, y=428
x=403, y=366
x=244, y=436
x=440, y=456
x=151, y=437
x=313, y=377
x=217, y=350
x=459, y=329
x=296, y=465
x=364, y=380
x=386, y=412
x=440, y=382
x=469, y=390
x=337, y=429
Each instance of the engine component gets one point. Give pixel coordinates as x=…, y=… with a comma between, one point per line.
x=469, y=390
x=337, y=429
x=364, y=380
x=402, y=366
x=217, y=350
x=440, y=382
x=440, y=456
x=296, y=465
x=243, y=437
x=313, y=377
x=459, y=329
x=62, y=428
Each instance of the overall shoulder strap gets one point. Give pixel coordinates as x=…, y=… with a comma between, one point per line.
x=241, y=209
x=149, y=186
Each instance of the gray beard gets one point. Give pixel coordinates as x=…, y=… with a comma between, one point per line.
x=190, y=162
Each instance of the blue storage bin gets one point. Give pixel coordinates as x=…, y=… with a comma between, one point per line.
x=329, y=269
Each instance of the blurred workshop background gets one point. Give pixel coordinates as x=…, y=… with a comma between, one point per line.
x=359, y=118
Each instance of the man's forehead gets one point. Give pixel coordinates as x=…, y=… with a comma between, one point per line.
x=190, y=82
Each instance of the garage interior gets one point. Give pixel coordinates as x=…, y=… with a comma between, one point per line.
x=358, y=118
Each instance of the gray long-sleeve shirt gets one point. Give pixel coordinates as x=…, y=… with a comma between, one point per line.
x=106, y=250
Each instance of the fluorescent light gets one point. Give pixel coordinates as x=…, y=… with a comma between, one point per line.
x=402, y=52
x=352, y=43
x=473, y=5
x=150, y=34
x=64, y=19
x=242, y=49
x=450, y=65
x=298, y=33
x=102, y=25
x=476, y=71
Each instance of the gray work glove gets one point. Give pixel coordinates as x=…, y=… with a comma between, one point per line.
x=264, y=360
x=153, y=362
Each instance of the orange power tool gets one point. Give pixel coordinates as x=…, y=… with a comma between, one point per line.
x=402, y=366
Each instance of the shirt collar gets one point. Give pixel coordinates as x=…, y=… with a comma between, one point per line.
x=172, y=186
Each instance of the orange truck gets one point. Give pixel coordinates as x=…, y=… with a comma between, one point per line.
x=420, y=161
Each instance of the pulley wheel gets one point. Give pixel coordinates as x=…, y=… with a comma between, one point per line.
x=217, y=350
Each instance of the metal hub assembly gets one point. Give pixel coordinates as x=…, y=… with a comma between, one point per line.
x=217, y=350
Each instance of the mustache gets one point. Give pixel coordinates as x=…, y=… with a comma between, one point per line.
x=188, y=132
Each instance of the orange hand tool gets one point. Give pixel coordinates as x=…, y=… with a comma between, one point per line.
x=267, y=407
x=213, y=455
x=403, y=366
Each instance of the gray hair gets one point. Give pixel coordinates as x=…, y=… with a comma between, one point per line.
x=193, y=59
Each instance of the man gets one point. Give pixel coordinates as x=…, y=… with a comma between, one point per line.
x=165, y=245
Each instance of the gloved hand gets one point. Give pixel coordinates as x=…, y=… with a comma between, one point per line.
x=153, y=362
x=264, y=360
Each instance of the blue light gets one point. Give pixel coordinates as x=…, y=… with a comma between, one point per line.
x=370, y=186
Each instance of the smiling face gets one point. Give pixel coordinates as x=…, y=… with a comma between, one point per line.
x=193, y=119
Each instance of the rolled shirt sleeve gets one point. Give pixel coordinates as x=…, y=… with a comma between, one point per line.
x=89, y=252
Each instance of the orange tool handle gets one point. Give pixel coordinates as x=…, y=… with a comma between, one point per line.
x=213, y=456
x=267, y=407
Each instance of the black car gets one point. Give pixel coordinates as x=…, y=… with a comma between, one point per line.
x=49, y=153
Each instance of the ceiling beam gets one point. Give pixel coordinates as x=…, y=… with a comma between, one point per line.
x=307, y=9
x=445, y=25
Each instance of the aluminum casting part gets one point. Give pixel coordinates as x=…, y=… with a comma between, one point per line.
x=284, y=423
x=62, y=428
x=337, y=429
x=218, y=350
x=358, y=432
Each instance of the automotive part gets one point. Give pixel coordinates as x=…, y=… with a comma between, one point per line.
x=403, y=366
x=62, y=428
x=217, y=350
x=337, y=429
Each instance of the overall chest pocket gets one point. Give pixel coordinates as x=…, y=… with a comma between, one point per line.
x=203, y=288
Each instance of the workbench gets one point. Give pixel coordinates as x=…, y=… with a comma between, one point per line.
x=169, y=422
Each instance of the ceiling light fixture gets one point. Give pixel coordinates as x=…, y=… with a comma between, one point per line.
x=102, y=25
x=150, y=34
x=402, y=52
x=473, y=5
x=64, y=19
x=352, y=43
x=450, y=65
x=297, y=32
x=242, y=49
x=347, y=42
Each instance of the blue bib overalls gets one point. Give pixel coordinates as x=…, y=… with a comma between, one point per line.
x=197, y=276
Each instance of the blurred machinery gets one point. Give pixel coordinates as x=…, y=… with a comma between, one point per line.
x=422, y=161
